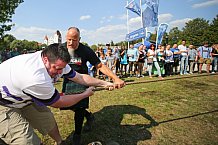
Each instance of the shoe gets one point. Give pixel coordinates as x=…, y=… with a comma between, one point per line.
x=76, y=139
x=213, y=72
x=160, y=77
x=89, y=123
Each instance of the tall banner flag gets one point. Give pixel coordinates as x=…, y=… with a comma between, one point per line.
x=160, y=33
x=147, y=38
x=149, y=13
x=134, y=7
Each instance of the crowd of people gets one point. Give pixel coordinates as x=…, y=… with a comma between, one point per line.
x=163, y=60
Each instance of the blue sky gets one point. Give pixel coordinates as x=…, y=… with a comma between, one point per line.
x=99, y=21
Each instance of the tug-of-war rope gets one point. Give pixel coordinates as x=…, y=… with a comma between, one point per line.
x=158, y=80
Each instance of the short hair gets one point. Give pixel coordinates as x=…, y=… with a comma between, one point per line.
x=75, y=28
x=56, y=51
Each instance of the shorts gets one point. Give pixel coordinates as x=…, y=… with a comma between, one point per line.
x=204, y=60
x=16, y=124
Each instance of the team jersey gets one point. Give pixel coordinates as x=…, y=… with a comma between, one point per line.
x=24, y=80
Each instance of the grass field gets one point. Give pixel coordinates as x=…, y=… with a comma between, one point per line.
x=181, y=111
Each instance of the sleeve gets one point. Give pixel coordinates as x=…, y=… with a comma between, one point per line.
x=92, y=57
x=42, y=94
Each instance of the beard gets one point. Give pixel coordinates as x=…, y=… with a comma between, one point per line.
x=71, y=52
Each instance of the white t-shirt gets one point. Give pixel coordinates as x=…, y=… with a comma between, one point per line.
x=24, y=79
x=183, y=48
x=153, y=54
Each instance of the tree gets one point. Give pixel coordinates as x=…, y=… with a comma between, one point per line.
x=174, y=35
x=214, y=30
x=6, y=40
x=196, y=31
x=94, y=47
x=7, y=10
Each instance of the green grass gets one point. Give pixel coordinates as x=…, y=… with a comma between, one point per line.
x=186, y=110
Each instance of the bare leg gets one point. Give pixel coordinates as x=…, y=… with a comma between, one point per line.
x=200, y=67
x=55, y=134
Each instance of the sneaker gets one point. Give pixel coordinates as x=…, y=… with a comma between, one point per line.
x=76, y=139
x=88, y=125
x=213, y=72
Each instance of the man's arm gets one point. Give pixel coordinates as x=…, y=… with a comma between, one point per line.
x=105, y=70
x=87, y=80
x=69, y=100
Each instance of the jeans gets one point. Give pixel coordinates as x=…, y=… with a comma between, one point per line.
x=155, y=63
x=183, y=65
x=214, y=64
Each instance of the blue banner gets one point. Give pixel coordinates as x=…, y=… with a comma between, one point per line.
x=148, y=36
x=150, y=13
x=140, y=33
x=160, y=33
x=134, y=7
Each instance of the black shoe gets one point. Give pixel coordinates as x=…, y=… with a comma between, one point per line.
x=88, y=125
x=76, y=139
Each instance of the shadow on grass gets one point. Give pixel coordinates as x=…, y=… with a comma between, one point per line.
x=185, y=117
x=109, y=126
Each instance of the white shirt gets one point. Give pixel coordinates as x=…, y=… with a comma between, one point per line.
x=152, y=54
x=183, y=48
x=24, y=79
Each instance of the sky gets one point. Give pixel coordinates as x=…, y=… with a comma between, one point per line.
x=100, y=21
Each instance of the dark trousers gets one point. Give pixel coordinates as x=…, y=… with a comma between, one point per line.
x=168, y=68
x=79, y=116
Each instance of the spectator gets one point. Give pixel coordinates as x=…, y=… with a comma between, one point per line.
x=116, y=53
x=169, y=61
x=204, y=53
x=104, y=62
x=214, y=54
x=123, y=61
x=161, y=54
x=152, y=60
x=15, y=52
x=140, y=60
x=176, y=57
x=193, y=58
x=132, y=53
x=111, y=62
x=146, y=60
x=184, y=57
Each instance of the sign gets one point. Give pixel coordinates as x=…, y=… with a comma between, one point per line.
x=140, y=33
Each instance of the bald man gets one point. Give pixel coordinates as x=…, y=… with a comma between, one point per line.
x=80, y=54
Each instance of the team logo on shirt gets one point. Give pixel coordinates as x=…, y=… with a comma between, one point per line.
x=76, y=60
